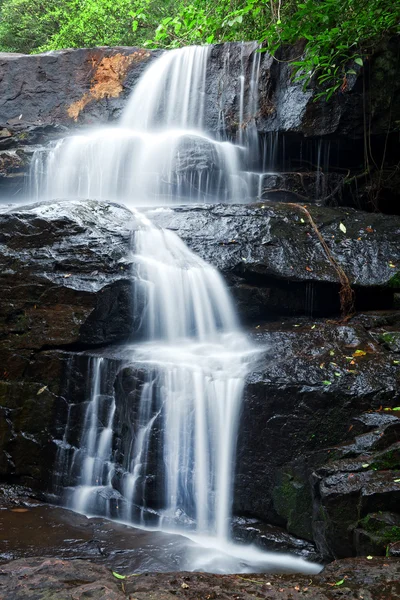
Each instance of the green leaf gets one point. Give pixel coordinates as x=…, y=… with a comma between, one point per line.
x=326, y=382
x=118, y=576
x=342, y=228
x=370, y=557
x=341, y=582
x=359, y=61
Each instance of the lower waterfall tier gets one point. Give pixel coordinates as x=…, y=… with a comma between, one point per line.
x=314, y=402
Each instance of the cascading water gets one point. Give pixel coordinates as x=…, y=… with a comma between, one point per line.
x=159, y=153
x=193, y=358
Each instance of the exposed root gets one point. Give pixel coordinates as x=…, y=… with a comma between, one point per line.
x=346, y=293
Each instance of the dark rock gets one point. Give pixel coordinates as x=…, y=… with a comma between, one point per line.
x=57, y=579
x=273, y=248
x=65, y=274
x=271, y=538
x=300, y=404
x=67, y=86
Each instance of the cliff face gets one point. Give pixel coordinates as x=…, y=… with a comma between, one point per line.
x=317, y=453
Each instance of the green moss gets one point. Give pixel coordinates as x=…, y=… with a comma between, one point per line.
x=385, y=532
x=394, y=281
x=292, y=501
x=388, y=338
x=388, y=460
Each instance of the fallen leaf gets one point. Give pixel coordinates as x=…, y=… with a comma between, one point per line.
x=338, y=374
x=301, y=220
x=396, y=362
x=342, y=228
x=118, y=576
x=358, y=239
x=370, y=557
x=308, y=269
x=313, y=327
x=41, y=390
x=332, y=352
x=67, y=275
x=396, y=480
x=369, y=229
x=340, y=582
x=326, y=382
x=359, y=353
x=20, y=510
x=184, y=586
x=365, y=465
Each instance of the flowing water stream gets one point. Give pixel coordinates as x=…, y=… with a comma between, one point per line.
x=194, y=358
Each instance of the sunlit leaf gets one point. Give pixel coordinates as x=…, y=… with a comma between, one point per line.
x=342, y=228
x=118, y=576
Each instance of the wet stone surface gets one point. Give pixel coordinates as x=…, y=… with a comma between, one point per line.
x=56, y=579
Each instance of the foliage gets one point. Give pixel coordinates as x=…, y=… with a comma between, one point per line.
x=338, y=34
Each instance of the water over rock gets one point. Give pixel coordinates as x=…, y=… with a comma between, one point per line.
x=251, y=99
x=306, y=423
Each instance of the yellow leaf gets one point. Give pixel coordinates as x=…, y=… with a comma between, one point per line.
x=359, y=353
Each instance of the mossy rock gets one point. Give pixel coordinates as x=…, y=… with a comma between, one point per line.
x=391, y=339
x=292, y=501
x=375, y=532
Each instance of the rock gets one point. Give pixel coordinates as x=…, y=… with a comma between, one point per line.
x=271, y=538
x=64, y=274
x=62, y=580
x=272, y=247
x=57, y=579
x=67, y=86
x=301, y=403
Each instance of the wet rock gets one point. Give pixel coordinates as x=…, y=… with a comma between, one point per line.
x=64, y=274
x=271, y=538
x=262, y=246
x=56, y=579
x=301, y=405
x=65, y=87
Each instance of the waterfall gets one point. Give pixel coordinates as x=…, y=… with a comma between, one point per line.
x=195, y=359
x=159, y=153
x=171, y=464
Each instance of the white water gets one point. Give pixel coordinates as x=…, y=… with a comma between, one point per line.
x=191, y=368
x=159, y=153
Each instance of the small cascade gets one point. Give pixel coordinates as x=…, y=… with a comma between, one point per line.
x=84, y=465
x=195, y=360
x=160, y=152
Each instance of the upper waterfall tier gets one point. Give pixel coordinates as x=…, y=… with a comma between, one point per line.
x=171, y=93
x=160, y=153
